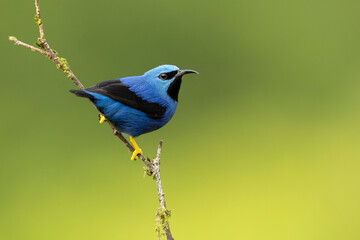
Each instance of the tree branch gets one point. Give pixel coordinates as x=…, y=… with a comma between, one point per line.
x=152, y=168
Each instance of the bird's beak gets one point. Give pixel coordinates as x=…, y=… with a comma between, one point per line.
x=183, y=72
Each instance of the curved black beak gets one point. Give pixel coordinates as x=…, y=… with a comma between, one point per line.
x=183, y=72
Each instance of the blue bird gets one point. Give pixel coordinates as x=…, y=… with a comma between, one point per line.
x=139, y=104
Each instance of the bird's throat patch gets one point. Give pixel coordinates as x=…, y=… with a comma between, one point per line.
x=174, y=89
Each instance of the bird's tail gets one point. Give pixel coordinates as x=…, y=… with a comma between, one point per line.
x=82, y=93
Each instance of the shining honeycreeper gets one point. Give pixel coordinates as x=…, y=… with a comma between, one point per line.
x=139, y=104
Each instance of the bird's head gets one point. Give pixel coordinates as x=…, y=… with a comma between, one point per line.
x=167, y=79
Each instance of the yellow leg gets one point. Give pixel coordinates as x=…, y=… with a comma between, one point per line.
x=137, y=149
x=102, y=119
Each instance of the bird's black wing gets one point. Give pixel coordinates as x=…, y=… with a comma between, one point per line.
x=120, y=92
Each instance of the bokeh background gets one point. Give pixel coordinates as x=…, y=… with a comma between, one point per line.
x=265, y=143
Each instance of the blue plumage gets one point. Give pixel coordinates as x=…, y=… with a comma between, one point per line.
x=140, y=104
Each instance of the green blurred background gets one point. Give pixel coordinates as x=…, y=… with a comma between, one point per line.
x=264, y=144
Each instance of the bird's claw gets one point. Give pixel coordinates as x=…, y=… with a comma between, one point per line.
x=137, y=150
x=102, y=118
x=135, y=153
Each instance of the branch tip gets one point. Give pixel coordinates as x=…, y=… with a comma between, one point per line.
x=13, y=39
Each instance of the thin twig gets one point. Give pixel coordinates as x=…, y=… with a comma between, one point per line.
x=39, y=21
x=165, y=214
x=156, y=164
x=20, y=43
x=61, y=63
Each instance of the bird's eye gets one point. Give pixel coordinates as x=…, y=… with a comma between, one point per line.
x=168, y=75
x=163, y=76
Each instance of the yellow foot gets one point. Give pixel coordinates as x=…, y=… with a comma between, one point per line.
x=102, y=118
x=135, y=153
x=137, y=149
